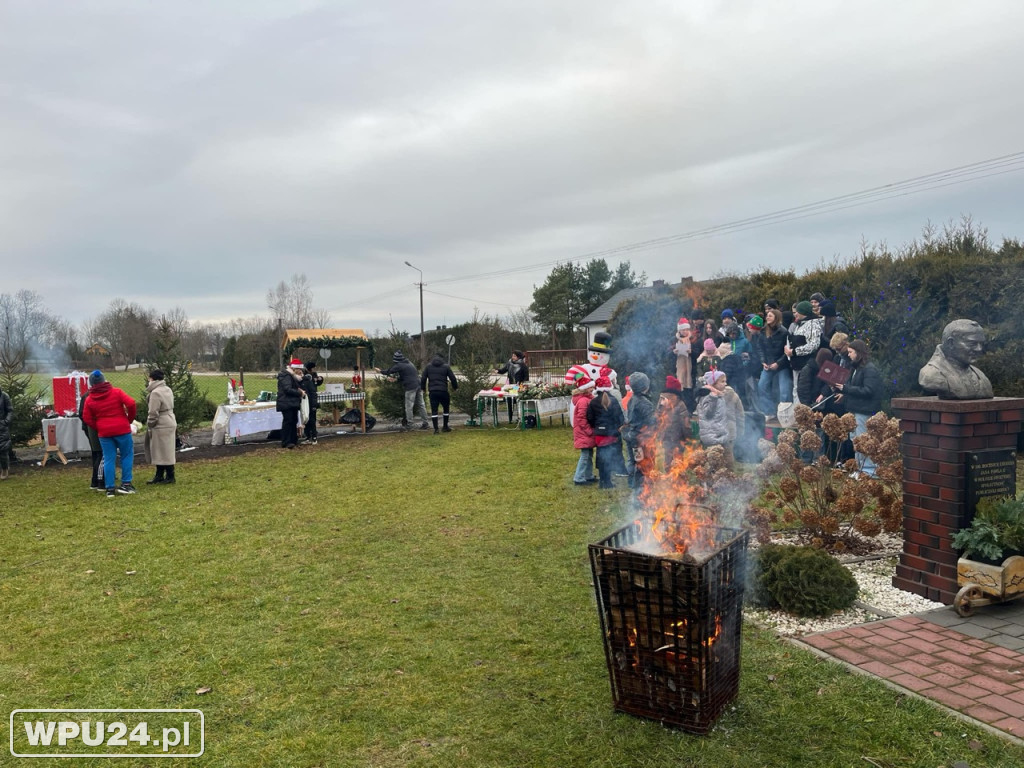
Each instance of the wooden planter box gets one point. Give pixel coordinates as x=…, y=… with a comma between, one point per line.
x=985, y=583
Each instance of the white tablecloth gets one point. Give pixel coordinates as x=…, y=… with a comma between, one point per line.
x=70, y=437
x=234, y=421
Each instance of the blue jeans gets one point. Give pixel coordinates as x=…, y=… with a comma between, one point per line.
x=585, y=466
x=867, y=466
x=608, y=458
x=774, y=387
x=111, y=446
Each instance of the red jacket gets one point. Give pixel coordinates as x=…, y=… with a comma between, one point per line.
x=582, y=432
x=109, y=410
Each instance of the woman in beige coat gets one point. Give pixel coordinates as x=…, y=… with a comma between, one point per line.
x=161, y=427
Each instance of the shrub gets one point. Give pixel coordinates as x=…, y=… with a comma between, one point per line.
x=809, y=582
x=388, y=398
x=761, y=562
x=830, y=503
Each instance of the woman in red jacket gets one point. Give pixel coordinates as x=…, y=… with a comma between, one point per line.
x=111, y=412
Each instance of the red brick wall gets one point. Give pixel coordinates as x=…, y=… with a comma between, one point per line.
x=936, y=436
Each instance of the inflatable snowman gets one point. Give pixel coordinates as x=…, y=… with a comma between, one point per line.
x=598, y=354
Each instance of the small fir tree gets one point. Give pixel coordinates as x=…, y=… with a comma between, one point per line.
x=190, y=407
x=24, y=398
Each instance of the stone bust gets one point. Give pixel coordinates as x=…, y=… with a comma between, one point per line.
x=950, y=373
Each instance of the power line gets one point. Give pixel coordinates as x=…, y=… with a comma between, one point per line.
x=477, y=301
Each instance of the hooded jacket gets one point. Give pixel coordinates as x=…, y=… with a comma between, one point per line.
x=406, y=372
x=436, y=376
x=289, y=392
x=582, y=432
x=715, y=420
x=109, y=410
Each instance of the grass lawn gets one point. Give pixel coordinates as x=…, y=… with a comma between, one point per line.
x=395, y=600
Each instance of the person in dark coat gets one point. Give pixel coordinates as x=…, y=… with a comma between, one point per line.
x=604, y=415
x=6, y=420
x=804, y=339
x=775, y=384
x=676, y=420
x=862, y=395
x=435, y=379
x=517, y=372
x=641, y=426
x=289, y=401
x=95, y=448
x=310, y=381
x=409, y=378
x=832, y=322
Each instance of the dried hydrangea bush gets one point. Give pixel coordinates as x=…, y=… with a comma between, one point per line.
x=833, y=505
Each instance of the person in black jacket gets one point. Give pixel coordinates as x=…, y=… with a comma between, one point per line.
x=289, y=401
x=862, y=395
x=831, y=322
x=409, y=378
x=604, y=415
x=640, y=426
x=775, y=384
x=310, y=381
x=95, y=448
x=517, y=372
x=435, y=380
x=6, y=419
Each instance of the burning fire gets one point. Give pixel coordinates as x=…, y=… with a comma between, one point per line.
x=672, y=519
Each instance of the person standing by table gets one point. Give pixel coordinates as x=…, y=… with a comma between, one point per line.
x=6, y=419
x=409, y=378
x=310, y=381
x=95, y=448
x=289, y=401
x=161, y=428
x=517, y=372
x=111, y=412
x=435, y=380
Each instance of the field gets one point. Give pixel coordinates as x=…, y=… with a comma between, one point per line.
x=393, y=600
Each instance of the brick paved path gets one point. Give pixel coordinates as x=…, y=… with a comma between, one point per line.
x=974, y=666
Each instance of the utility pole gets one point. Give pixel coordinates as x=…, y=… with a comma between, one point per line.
x=423, y=339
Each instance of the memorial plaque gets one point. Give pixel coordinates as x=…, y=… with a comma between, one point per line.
x=990, y=474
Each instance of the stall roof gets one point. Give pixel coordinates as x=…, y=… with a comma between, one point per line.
x=317, y=333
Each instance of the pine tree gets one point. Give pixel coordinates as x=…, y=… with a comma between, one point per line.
x=189, y=402
x=24, y=398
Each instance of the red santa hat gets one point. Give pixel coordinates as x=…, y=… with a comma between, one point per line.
x=629, y=387
x=295, y=363
x=578, y=378
x=683, y=324
x=603, y=384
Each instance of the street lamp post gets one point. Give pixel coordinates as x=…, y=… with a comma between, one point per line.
x=423, y=339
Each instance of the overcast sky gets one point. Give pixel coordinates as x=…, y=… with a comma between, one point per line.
x=193, y=154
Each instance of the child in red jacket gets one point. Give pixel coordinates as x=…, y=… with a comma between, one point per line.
x=582, y=432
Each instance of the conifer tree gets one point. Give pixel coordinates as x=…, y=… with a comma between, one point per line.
x=189, y=401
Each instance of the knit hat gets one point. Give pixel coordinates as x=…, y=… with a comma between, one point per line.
x=683, y=324
x=712, y=376
x=311, y=365
x=827, y=308
x=755, y=321
x=727, y=313
x=773, y=303
x=672, y=384
x=398, y=357
x=574, y=374
x=805, y=308
x=96, y=377
x=584, y=382
x=709, y=345
x=603, y=384
x=640, y=382
x=818, y=297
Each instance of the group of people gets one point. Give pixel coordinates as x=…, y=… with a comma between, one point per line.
x=436, y=377
x=733, y=380
x=297, y=385
x=108, y=418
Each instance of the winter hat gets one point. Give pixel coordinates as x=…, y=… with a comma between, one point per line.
x=672, y=385
x=727, y=313
x=709, y=346
x=311, y=365
x=805, y=308
x=96, y=377
x=296, y=364
x=629, y=387
x=725, y=349
x=773, y=303
x=640, y=382
x=398, y=357
x=683, y=324
x=603, y=384
x=574, y=374
x=712, y=376
x=755, y=321
x=818, y=297
x=584, y=382
x=827, y=308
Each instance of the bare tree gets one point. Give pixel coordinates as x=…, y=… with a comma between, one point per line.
x=24, y=323
x=320, y=318
x=126, y=330
x=522, y=321
x=292, y=302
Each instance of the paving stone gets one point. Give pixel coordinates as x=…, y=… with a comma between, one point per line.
x=1004, y=704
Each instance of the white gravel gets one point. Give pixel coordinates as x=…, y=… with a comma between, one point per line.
x=878, y=598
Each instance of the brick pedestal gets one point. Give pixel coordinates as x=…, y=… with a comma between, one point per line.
x=938, y=435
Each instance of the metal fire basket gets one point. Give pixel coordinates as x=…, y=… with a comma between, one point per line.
x=671, y=626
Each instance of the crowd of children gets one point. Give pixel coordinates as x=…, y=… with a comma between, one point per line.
x=733, y=381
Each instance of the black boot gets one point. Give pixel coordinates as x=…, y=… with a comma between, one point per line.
x=446, y=428
x=170, y=475
x=159, y=478
x=434, y=419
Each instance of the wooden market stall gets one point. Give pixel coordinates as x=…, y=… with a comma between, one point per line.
x=324, y=340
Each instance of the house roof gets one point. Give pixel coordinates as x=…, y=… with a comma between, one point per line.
x=604, y=312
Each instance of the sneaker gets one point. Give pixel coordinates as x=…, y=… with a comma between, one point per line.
x=110, y=493
x=313, y=441
x=424, y=425
x=97, y=488
x=125, y=488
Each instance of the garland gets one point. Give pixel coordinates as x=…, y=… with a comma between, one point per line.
x=331, y=342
